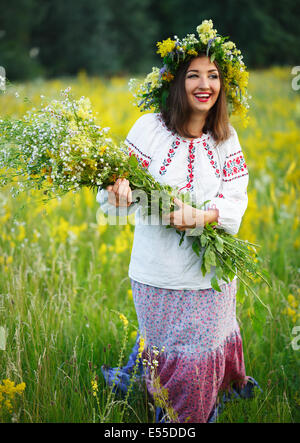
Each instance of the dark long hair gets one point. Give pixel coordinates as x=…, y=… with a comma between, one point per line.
x=177, y=110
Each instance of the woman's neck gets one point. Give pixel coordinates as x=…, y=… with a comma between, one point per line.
x=195, y=125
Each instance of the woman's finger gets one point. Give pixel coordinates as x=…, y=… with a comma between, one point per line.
x=116, y=186
x=129, y=196
x=123, y=193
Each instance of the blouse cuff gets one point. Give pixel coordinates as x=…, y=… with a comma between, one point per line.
x=213, y=206
x=229, y=216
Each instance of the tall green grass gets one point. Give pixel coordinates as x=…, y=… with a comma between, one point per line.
x=58, y=291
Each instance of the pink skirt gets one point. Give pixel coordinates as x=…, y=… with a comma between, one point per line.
x=199, y=344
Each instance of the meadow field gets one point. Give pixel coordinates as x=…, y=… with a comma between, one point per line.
x=63, y=273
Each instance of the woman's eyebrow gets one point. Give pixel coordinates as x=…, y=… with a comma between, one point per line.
x=196, y=70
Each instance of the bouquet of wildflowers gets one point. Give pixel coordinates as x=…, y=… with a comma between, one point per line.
x=60, y=148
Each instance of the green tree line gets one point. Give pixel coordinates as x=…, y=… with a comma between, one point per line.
x=105, y=37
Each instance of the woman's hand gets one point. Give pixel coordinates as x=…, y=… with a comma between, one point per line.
x=120, y=193
x=188, y=217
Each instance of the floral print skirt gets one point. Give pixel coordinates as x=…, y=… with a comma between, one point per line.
x=193, y=343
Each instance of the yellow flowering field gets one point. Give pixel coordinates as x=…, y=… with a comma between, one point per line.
x=66, y=304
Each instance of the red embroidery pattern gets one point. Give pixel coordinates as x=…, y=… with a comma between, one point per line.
x=211, y=158
x=191, y=159
x=234, y=167
x=142, y=158
x=171, y=153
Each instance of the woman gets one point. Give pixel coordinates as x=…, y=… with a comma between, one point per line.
x=189, y=144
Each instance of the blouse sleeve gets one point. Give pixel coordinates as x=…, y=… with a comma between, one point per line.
x=232, y=199
x=139, y=143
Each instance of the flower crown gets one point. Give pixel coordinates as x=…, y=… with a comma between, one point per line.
x=154, y=90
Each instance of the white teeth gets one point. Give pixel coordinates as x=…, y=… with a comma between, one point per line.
x=203, y=95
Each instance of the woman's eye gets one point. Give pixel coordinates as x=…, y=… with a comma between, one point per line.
x=195, y=75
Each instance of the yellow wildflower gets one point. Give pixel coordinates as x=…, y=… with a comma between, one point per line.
x=102, y=150
x=124, y=320
x=76, y=230
x=141, y=347
x=133, y=334
x=292, y=301
x=167, y=76
x=206, y=31
x=228, y=46
x=165, y=47
x=205, y=27
x=153, y=78
x=8, y=390
x=20, y=237
x=94, y=387
x=192, y=52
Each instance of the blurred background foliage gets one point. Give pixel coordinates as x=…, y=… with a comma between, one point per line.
x=52, y=38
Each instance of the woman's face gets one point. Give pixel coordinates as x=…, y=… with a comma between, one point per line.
x=202, y=85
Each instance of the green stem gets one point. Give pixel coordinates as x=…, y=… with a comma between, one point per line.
x=247, y=286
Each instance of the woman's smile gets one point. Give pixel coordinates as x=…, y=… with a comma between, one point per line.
x=202, y=97
x=202, y=84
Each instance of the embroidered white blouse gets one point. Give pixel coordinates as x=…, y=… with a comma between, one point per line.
x=218, y=173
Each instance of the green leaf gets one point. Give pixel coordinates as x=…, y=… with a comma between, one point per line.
x=207, y=266
x=259, y=318
x=241, y=293
x=203, y=269
x=210, y=256
x=181, y=238
x=133, y=161
x=164, y=97
x=219, y=244
x=203, y=240
x=195, y=247
x=231, y=275
x=212, y=57
x=215, y=284
x=219, y=272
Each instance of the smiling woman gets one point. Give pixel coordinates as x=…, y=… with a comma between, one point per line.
x=187, y=112
x=189, y=145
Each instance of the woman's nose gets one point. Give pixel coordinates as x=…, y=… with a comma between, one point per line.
x=203, y=83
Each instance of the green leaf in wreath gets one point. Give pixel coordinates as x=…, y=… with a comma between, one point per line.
x=164, y=97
